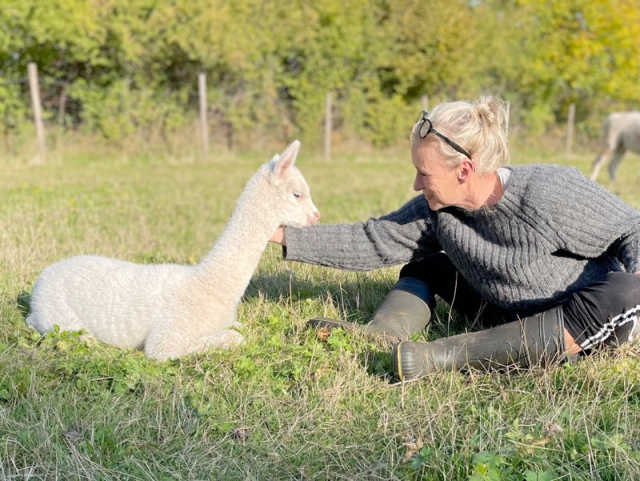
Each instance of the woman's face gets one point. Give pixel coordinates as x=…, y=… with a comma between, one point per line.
x=437, y=181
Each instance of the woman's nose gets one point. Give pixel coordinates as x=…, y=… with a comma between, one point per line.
x=417, y=184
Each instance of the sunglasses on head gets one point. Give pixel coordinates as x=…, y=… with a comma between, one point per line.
x=426, y=127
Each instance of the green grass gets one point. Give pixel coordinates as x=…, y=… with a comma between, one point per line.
x=286, y=405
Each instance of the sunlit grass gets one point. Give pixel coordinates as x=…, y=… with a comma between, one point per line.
x=286, y=405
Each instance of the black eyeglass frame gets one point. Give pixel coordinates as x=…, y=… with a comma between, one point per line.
x=422, y=133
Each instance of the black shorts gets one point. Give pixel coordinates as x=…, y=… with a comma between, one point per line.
x=591, y=315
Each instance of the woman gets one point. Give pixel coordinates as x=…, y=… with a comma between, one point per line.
x=548, y=260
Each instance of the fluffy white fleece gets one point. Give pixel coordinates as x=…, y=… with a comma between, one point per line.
x=171, y=310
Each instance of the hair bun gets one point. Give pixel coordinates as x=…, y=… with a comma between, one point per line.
x=492, y=111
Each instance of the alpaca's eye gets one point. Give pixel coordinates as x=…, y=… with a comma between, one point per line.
x=297, y=195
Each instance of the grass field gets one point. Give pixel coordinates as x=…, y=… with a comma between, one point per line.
x=287, y=405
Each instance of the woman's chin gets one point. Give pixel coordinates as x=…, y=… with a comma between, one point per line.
x=434, y=205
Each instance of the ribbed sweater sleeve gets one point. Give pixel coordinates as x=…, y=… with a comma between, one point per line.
x=585, y=219
x=399, y=237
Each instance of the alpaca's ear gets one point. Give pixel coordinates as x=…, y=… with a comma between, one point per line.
x=284, y=162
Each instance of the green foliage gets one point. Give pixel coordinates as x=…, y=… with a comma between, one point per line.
x=13, y=111
x=117, y=111
x=131, y=66
x=569, y=51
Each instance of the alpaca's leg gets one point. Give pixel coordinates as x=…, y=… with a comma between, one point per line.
x=223, y=339
x=226, y=339
x=88, y=337
x=598, y=163
x=617, y=157
x=177, y=345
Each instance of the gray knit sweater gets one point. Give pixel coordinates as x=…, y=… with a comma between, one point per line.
x=553, y=232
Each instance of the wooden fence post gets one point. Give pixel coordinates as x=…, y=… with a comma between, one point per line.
x=328, y=126
x=62, y=106
x=570, y=120
x=425, y=103
x=204, y=124
x=37, y=111
x=508, y=107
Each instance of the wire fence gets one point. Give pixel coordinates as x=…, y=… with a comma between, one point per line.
x=53, y=108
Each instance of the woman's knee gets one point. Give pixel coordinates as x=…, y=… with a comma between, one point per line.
x=625, y=287
x=428, y=267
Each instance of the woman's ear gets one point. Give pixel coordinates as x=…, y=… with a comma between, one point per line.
x=465, y=169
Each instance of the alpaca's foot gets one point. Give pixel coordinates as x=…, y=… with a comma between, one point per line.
x=173, y=347
x=224, y=339
x=88, y=337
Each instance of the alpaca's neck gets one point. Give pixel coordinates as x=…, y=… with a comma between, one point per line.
x=235, y=256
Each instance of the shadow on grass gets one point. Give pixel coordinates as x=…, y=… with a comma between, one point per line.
x=359, y=297
x=375, y=354
x=23, y=302
x=379, y=365
x=283, y=284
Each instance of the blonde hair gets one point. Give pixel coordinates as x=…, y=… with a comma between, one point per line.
x=480, y=127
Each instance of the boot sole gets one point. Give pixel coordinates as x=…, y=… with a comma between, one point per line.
x=397, y=361
x=328, y=323
x=364, y=329
x=409, y=361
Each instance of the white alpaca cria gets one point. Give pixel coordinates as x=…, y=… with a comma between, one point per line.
x=172, y=310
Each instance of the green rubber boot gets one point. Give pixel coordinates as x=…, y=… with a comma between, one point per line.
x=404, y=310
x=535, y=340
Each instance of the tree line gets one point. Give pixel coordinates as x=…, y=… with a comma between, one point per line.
x=123, y=66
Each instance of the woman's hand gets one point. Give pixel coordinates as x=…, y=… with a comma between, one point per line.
x=278, y=237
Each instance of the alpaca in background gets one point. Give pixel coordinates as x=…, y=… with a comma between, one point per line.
x=172, y=310
x=621, y=132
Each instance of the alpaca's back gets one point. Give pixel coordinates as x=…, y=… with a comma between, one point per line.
x=125, y=297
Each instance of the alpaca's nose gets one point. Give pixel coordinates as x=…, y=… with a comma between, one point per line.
x=313, y=219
